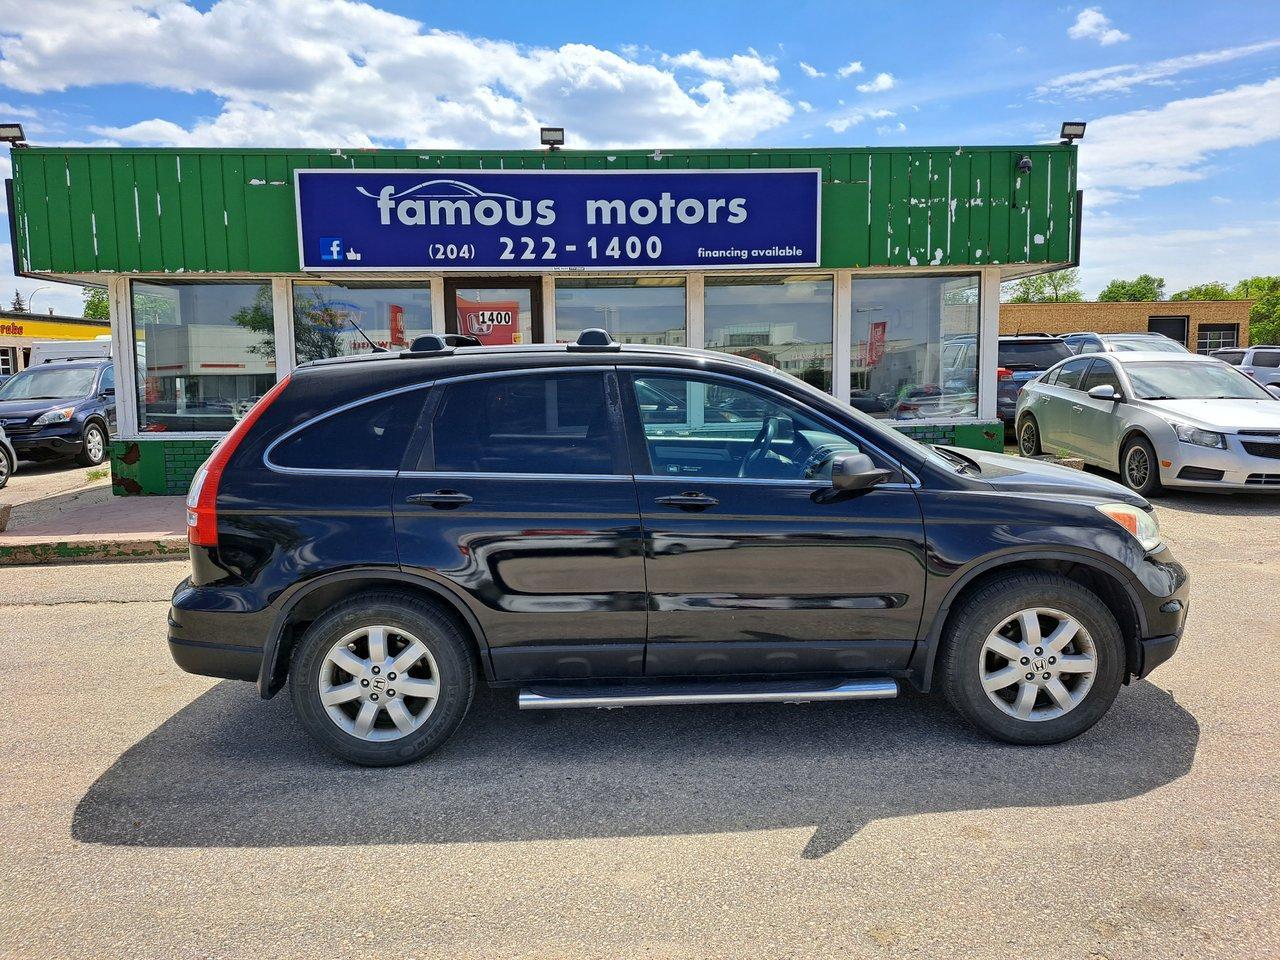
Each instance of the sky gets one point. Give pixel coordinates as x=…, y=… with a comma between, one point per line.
x=1180, y=163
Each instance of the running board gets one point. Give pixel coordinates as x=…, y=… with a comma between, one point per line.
x=548, y=697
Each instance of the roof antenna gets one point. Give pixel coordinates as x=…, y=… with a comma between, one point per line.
x=376, y=348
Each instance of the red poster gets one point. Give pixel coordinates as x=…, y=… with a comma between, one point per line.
x=397, y=337
x=493, y=322
x=875, y=345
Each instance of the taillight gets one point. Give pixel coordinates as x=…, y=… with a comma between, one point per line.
x=1004, y=373
x=202, y=498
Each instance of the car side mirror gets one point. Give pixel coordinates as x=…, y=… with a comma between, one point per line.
x=1105, y=392
x=856, y=471
x=108, y=391
x=1274, y=390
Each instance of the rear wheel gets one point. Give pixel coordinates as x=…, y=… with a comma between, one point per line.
x=1029, y=437
x=1139, y=468
x=94, y=448
x=382, y=679
x=1032, y=658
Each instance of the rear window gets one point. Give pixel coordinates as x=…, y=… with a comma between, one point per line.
x=1233, y=357
x=1032, y=354
x=369, y=436
x=539, y=423
x=1266, y=358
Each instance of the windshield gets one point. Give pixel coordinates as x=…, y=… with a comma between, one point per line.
x=49, y=383
x=1032, y=354
x=1160, y=380
x=1145, y=344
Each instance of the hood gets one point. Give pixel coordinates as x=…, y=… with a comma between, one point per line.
x=1225, y=416
x=24, y=409
x=1021, y=475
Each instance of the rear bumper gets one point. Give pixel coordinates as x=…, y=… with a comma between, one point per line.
x=211, y=635
x=223, y=660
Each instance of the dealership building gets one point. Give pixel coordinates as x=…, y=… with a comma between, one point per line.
x=869, y=272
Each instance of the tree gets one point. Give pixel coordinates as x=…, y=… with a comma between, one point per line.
x=1061, y=286
x=1213, y=290
x=1145, y=287
x=1264, y=315
x=96, y=304
x=18, y=305
x=317, y=326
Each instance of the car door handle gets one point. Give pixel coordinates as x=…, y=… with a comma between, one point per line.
x=441, y=499
x=689, y=501
x=1077, y=408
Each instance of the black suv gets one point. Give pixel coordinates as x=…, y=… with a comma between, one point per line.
x=602, y=525
x=61, y=408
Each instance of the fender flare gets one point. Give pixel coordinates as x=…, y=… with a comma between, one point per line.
x=922, y=675
x=271, y=649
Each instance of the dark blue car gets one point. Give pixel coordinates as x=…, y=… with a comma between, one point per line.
x=62, y=408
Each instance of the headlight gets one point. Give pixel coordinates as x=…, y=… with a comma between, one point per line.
x=1137, y=521
x=55, y=416
x=1201, y=438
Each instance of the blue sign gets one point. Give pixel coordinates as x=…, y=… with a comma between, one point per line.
x=546, y=220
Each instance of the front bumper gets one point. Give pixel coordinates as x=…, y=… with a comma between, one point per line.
x=1210, y=468
x=59, y=440
x=1154, y=651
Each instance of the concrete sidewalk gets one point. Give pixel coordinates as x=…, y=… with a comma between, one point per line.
x=120, y=529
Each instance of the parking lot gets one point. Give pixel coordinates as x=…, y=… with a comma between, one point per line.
x=152, y=813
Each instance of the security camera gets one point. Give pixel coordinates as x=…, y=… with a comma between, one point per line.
x=1024, y=164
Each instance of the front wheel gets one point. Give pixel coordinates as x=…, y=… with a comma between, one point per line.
x=1139, y=468
x=382, y=679
x=1032, y=658
x=7, y=466
x=94, y=448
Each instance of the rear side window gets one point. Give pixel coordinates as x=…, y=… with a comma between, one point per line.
x=1069, y=373
x=1032, y=354
x=369, y=436
x=1266, y=358
x=539, y=423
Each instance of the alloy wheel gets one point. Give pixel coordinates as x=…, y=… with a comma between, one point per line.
x=1027, y=438
x=379, y=683
x=1137, y=467
x=1039, y=664
x=6, y=467
x=94, y=445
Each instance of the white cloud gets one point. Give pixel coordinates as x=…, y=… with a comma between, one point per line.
x=6, y=168
x=805, y=105
x=1093, y=24
x=882, y=82
x=850, y=68
x=1129, y=152
x=1123, y=77
x=337, y=72
x=810, y=71
x=842, y=122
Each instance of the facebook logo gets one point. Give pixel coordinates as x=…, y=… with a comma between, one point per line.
x=330, y=248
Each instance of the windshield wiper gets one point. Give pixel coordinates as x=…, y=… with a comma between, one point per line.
x=1161, y=398
x=960, y=460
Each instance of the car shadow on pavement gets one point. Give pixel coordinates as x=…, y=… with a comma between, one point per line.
x=230, y=770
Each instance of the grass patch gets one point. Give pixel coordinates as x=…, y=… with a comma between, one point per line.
x=98, y=473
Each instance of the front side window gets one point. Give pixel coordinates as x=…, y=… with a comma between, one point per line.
x=1100, y=375
x=785, y=322
x=49, y=383
x=109, y=379
x=632, y=309
x=901, y=369
x=1069, y=373
x=206, y=352
x=695, y=427
x=369, y=436
x=337, y=320
x=538, y=423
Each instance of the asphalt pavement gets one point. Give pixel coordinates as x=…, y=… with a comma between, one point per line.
x=149, y=813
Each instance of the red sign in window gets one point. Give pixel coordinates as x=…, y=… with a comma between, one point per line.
x=493, y=322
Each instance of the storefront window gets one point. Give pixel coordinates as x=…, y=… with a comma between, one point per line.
x=915, y=347
x=206, y=352
x=633, y=310
x=782, y=321
x=336, y=320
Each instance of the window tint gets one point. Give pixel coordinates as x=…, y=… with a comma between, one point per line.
x=108, y=379
x=369, y=436
x=1088, y=346
x=1100, y=375
x=1266, y=358
x=1070, y=372
x=1233, y=357
x=708, y=428
x=542, y=423
x=1032, y=354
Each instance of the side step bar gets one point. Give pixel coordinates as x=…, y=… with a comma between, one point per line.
x=557, y=697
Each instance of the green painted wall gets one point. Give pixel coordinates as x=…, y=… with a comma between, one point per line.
x=162, y=467
x=82, y=210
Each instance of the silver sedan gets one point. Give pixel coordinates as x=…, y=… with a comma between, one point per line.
x=1158, y=419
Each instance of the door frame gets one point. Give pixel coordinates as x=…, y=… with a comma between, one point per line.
x=495, y=282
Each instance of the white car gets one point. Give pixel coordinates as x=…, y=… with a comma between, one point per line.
x=1158, y=419
x=1257, y=363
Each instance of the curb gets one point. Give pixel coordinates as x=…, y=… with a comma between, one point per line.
x=90, y=551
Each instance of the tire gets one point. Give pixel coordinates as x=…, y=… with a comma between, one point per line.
x=1137, y=448
x=94, y=449
x=967, y=659
x=1029, y=437
x=447, y=661
x=7, y=466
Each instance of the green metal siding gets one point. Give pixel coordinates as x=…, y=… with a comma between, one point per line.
x=83, y=210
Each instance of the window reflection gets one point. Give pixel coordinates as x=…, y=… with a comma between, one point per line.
x=782, y=321
x=328, y=318
x=633, y=310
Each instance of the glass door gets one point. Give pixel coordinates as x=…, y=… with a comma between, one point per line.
x=496, y=311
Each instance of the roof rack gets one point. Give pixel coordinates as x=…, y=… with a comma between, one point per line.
x=594, y=339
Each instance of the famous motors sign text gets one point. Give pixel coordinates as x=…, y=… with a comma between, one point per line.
x=542, y=220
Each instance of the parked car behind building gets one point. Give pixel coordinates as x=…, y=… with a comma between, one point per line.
x=1122, y=343
x=61, y=408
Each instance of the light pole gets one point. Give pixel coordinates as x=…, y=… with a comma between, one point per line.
x=32, y=295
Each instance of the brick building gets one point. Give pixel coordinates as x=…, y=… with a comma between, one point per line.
x=1201, y=325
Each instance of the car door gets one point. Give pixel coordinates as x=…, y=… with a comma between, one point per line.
x=107, y=393
x=522, y=502
x=1053, y=403
x=753, y=566
x=1097, y=424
